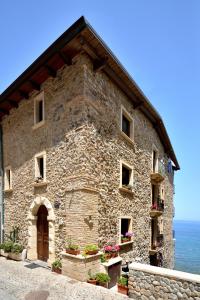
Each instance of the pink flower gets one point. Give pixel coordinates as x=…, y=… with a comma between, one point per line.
x=116, y=248
x=129, y=234
x=108, y=248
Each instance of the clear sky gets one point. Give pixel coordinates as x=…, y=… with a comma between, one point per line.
x=158, y=42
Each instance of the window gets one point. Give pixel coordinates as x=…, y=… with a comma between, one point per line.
x=8, y=179
x=39, y=109
x=126, y=179
x=126, y=123
x=155, y=160
x=125, y=229
x=40, y=166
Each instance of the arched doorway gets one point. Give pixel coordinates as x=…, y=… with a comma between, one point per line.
x=33, y=224
x=42, y=233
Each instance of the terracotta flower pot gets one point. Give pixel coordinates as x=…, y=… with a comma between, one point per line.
x=73, y=252
x=122, y=289
x=56, y=270
x=108, y=255
x=114, y=254
x=103, y=284
x=92, y=252
x=92, y=281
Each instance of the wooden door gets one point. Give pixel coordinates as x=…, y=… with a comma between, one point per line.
x=42, y=234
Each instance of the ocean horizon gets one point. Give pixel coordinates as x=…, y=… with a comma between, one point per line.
x=187, y=246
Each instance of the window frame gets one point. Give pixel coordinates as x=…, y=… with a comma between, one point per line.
x=37, y=99
x=7, y=183
x=37, y=171
x=128, y=116
x=126, y=165
x=130, y=227
x=155, y=149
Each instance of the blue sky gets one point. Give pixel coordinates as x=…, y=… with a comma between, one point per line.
x=158, y=42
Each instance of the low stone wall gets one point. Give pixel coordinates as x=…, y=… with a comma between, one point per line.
x=151, y=283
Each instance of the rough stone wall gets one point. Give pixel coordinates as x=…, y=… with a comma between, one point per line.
x=64, y=138
x=152, y=283
x=82, y=138
x=107, y=147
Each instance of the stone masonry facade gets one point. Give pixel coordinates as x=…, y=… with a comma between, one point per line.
x=84, y=147
x=152, y=283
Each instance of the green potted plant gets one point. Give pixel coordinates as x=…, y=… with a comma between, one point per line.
x=91, y=278
x=123, y=285
x=72, y=248
x=102, y=279
x=91, y=249
x=1, y=248
x=57, y=266
x=16, y=252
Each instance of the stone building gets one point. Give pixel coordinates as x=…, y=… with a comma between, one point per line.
x=85, y=155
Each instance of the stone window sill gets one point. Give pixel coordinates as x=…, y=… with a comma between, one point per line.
x=38, y=125
x=8, y=191
x=126, y=137
x=126, y=243
x=112, y=261
x=40, y=184
x=125, y=190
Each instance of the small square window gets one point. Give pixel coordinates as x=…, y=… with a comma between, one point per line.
x=125, y=229
x=155, y=161
x=39, y=109
x=126, y=123
x=8, y=178
x=40, y=166
x=126, y=180
x=125, y=176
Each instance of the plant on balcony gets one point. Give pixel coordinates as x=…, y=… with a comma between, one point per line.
x=103, y=279
x=122, y=285
x=91, y=249
x=91, y=278
x=8, y=246
x=126, y=237
x=154, y=206
x=111, y=251
x=72, y=248
x=57, y=266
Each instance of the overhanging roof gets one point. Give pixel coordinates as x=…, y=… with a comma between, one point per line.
x=82, y=37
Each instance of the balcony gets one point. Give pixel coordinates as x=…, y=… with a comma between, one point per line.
x=157, y=244
x=157, y=208
x=158, y=174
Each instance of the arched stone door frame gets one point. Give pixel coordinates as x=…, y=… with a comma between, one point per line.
x=32, y=228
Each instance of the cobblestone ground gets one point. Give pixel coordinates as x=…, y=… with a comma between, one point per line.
x=19, y=281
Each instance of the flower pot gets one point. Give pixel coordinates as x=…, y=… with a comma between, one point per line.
x=103, y=284
x=73, y=252
x=108, y=255
x=125, y=240
x=5, y=254
x=122, y=289
x=15, y=256
x=56, y=270
x=92, y=252
x=114, y=254
x=92, y=281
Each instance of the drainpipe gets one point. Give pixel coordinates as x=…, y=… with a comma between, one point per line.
x=1, y=188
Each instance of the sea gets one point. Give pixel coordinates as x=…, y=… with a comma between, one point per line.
x=187, y=246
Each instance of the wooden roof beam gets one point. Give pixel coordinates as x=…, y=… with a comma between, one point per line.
x=34, y=85
x=4, y=111
x=98, y=65
x=67, y=60
x=50, y=71
x=23, y=94
x=13, y=103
